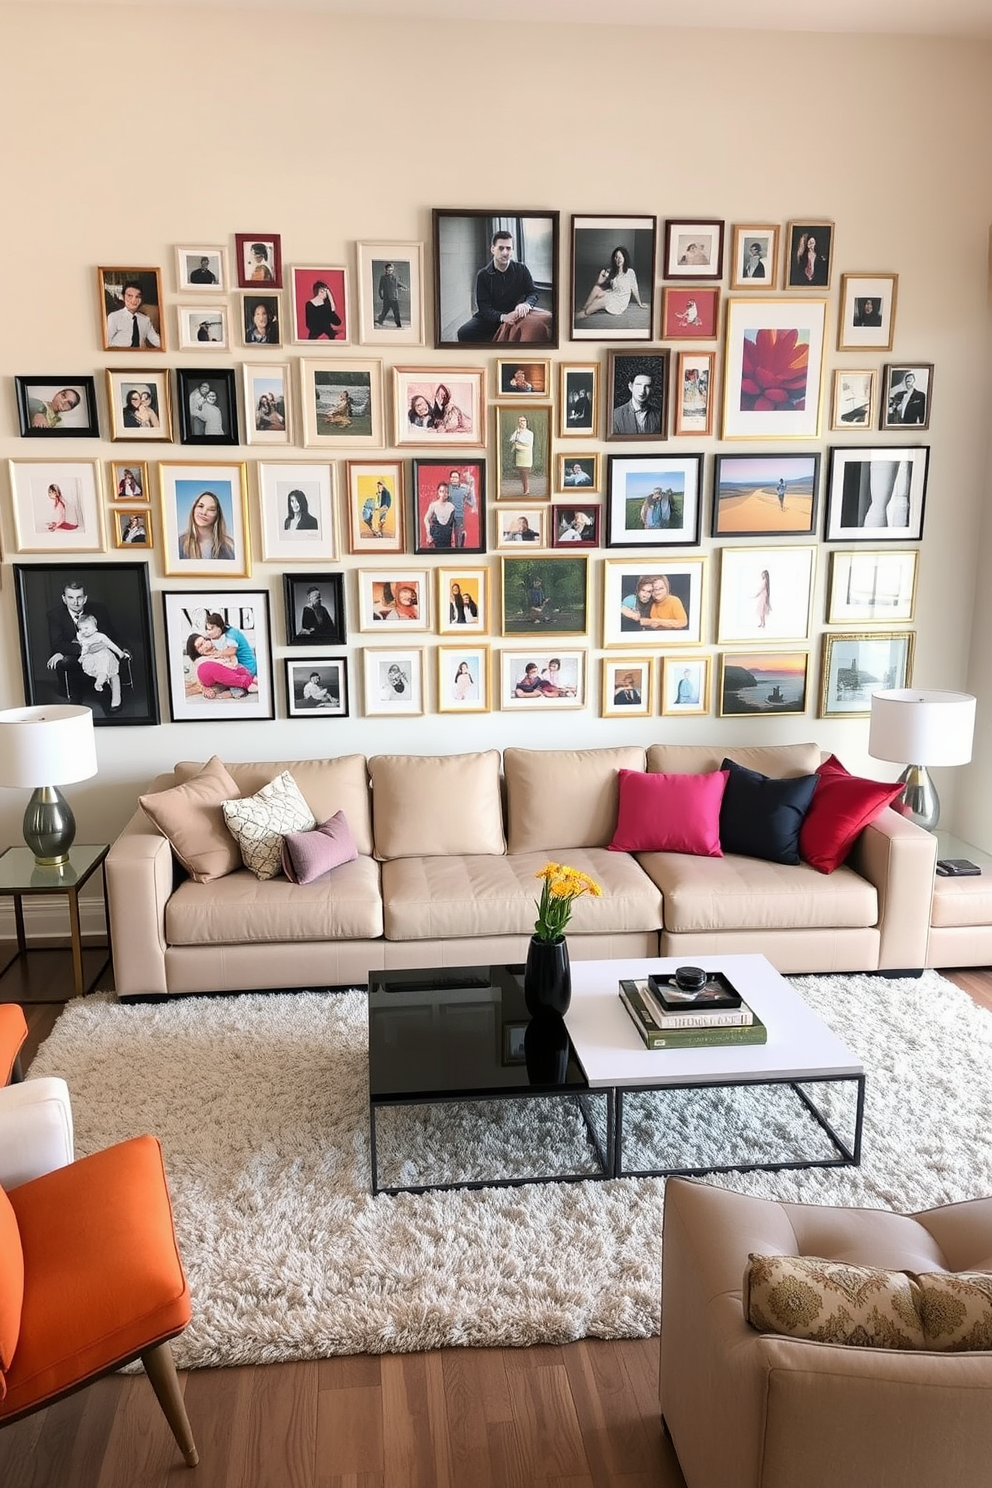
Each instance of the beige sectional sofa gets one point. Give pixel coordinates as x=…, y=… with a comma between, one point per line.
x=448, y=848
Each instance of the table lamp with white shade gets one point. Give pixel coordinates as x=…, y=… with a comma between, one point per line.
x=41, y=749
x=926, y=727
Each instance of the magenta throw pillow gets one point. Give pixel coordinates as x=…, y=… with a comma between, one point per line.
x=842, y=806
x=670, y=813
x=309, y=855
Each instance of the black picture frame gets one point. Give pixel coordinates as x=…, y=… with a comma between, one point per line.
x=596, y=243
x=118, y=596
x=238, y=686
x=653, y=501
x=623, y=368
x=50, y=420
x=766, y=495
x=190, y=385
x=329, y=632
x=876, y=493
x=332, y=678
x=469, y=535
x=463, y=249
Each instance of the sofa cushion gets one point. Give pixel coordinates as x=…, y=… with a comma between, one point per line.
x=447, y=897
x=558, y=799
x=956, y=1308
x=309, y=855
x=191, y=816
x=260, y=822
x=329, y=785
x=738, y=893
x=774, y=760
x=241, y=909
x=761, y=817
x=440, y=804
x=833, y=1302
x=670, y=813
x=842, y=806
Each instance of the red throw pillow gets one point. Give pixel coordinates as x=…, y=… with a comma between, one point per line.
x=670, y=813
x=842, y=805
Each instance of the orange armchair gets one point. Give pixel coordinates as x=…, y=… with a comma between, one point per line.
x=13, y=1032
x=90, y=1278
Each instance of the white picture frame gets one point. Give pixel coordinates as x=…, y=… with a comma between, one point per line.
x=282, y=542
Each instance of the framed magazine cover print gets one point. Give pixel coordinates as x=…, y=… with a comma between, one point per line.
x=877, y=494
x=57, y=407
x=693, y=249
x=542, y=680
x=57, y=506
x=774, y=368
x=754, y=256
x=578, y=399
x=296, y=510
x=694, y=394
x=765, y=594
x=495, y=278
x=652, y=602
x=204, y=519
x=856, y=665
x=755, y=684
x=685, y=685
x=449, y=506
x=612, y=284
x=218, y=674
x=391, y=293
x=869, y=587
x=765, y=495
x=439, y=406
x=463, y=679
x=394, y=681
x=867, y=318
x=626, y=687
x=342, y=404
x=462, y=600
x=853, y=400
x=317, y=687
x=318, y=305
x=654, y=501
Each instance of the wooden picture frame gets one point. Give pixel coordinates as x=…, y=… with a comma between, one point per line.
x=464, y=242
x=685, y=686
x=578, y=399
x=131, y=309
x=516, y=525
x=637, y=395
x=693, y=249
x=691, y=314
x=809, y=254
x=612, y=278
x=388, y=313
x=754, y=255
x=694, y=394
x=463, y=600
x=578, y=475
x=342, y=404
x=319, y=309
x=768, y=495
x=542, y=680
x=773, y=368
x=866, y=320
x=673, y=588
x=653, y=501
x=140, y=404
x=54, y=407
x=757, y=684
x=626, y=687
x=523, y=379
x=375, y=496
x=183, y=486
x=856, y=664
x=576, y=524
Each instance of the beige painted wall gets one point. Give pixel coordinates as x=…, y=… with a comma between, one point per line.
x=126, y=131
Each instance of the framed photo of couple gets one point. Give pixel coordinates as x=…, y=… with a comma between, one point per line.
x=449, y=506
x=652, y=603
x=140, y=404
x=541, y=680
x=463, y=601
x=655, y=501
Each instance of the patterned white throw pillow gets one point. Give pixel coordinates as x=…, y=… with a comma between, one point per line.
x=259, y=822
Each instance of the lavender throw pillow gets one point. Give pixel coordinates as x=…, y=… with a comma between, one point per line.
x=309, y=855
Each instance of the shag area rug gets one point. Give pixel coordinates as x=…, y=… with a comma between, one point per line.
x=261, y=1105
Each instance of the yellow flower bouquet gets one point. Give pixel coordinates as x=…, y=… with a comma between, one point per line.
x=561, y=886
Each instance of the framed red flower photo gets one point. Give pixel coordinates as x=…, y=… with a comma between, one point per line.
x=773, y=381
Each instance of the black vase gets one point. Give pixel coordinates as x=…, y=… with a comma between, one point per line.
x=546, y=1049
x=547, y=976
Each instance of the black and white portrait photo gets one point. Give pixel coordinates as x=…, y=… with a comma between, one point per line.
x=317, y=687
x=636, y=396
x=906, y=394
x=612, y=286
x=208, y=406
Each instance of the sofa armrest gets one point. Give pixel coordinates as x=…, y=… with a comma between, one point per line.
x=35, y=1129
x=899, y=858
x=139, y=884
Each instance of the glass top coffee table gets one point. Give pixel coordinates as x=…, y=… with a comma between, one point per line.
x=465, y=1090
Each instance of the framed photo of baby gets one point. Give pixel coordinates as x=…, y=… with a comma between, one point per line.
x=612, y=287
x=449, y=506
x=219, y=654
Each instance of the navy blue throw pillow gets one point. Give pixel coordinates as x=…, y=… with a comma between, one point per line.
x=761, y=817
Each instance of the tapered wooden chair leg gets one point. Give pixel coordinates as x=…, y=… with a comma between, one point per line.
x=161, y=1370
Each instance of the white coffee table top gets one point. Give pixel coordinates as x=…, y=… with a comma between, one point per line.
x=800, y=1045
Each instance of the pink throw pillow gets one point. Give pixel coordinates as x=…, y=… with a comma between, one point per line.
x=670, y=813
x=309, y=855
x=842, y=806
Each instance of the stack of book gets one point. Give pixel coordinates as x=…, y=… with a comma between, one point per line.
x=675, y=1023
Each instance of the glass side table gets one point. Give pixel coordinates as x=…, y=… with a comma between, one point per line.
x=21, y=877
x=950, y=846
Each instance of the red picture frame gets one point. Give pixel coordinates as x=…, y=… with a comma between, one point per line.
x=257, y=269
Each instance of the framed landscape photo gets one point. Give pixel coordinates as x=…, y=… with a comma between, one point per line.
x=203, y=327
x=523, y=443
x=578, y=474
x=130, y=304
x=757, y=684
x=612, y=285
x=258, y=257
x=685, y=685
x=636, y=395
x=57, y=407
x=754, y=261
x=694, y=394
x=494, y=264
x=867, y=318
x=342, y=404
x=449, y=506
x=653, y=603
x=626, y=687
x=317, y=687
x=809, y=246
x=774, y=368
x=208, y=406
x=267, y=402
x=140, y=406
x=463, y=600
x=129, y=481
x=545, y=595
x=319, y=304
x=521, y=524
x=50, y=597
x=391, y=293
x=261, y=320
x=907, y=392
x=218, y=645
x=463, y=679
x=439, y=406
x=296, y=510
x=654, y=501
x=204, y=519
x=578, y=399
x=576, y=525
x=542, y=680
x=877, y=494
x=869, y=587
x=765, y=495
x=690, y=314
x=57, y=506
x=394, y=599
x=856, y=665
x=765, y=594
x=131, y=527
x=519, y=379
x=314, y=609
x=853, y=400
x=375, y=506
x=394, y=681
x=693, y=249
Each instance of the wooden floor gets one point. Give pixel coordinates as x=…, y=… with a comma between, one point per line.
x=581, y=1416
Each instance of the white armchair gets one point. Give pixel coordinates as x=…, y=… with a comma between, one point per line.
x=35, y=1115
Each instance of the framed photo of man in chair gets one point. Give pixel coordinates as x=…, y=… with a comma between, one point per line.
x=86, y=638
x=496, y=279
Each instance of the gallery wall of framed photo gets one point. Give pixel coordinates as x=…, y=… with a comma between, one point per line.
x=687, y=461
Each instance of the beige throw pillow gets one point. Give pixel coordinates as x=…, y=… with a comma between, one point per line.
x=258, y=823
x=191, y=816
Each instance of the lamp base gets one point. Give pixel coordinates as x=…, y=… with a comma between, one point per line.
x=49, y=826
x=918, y=801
